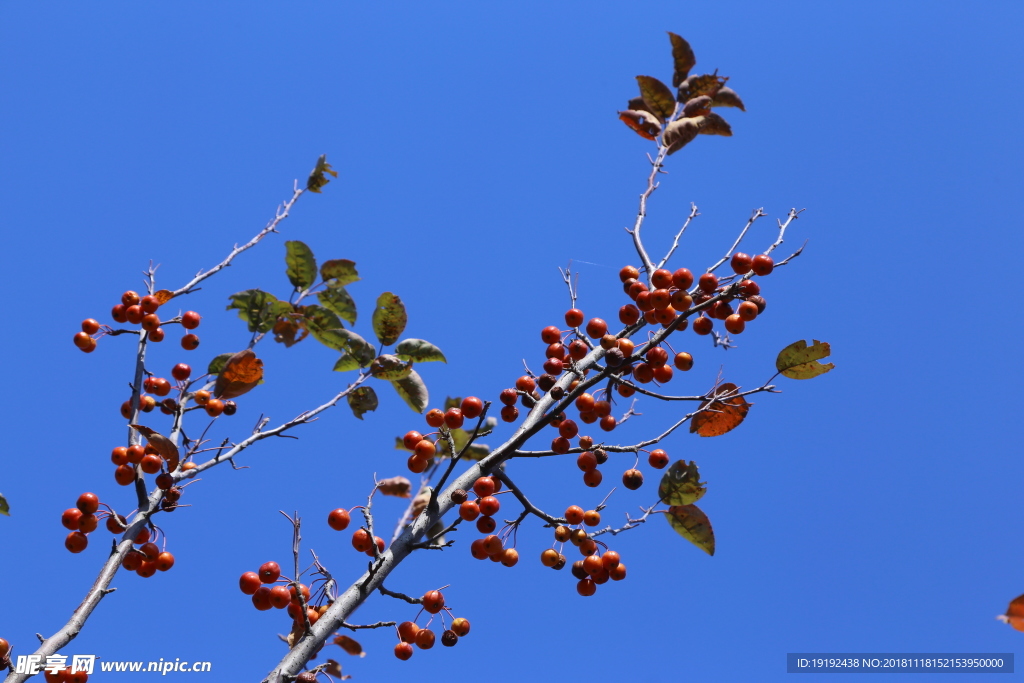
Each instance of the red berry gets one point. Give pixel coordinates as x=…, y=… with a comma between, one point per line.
x=261, y=598
x=90, y=326
x=483, y=487
x=116, y=524
x=749, y=288
x=190, y=320
x=338, y=519
x=734, y=324
x=76, y=541
x=88, y=503
x=164, y=561
x=435, y=417
x=509, y=413
x=249, y=582
x=708, y=283
x=83, y=340
x=361, y=540
x=489, y=505
x=663, y=373
x=190, y=342
x=461, y=627
x=524, y=383
x=607, y=423
x=574, y=317
x=407, y=631
x=740, y=263
x=681, y=301
x=629, y=314
x=269, y=572
x=181, y=372
x=762, y=264
x=702, y=325
x=70, y=518
x=425, y=449
x=453, y=418
x=586, y=461
x=156, y=335
x=485, y=524
x=433, y=601
x=149, y=303
x=586, y=587
x=551, y=334
x=134, y=314
x=632, y=479
x=118, y=313
x=747, y=310
x=469, y=510
x=661, y=279
x=403, y=651
x=682, y=278
x=596, y=328
x=574, y=514
x=124, y=475
x=628, y=272
x=130, y=298
x=593, y=478
x=472, y=407
x=683, y=361
x=578, y=350
x=424, y=639
x=658, y=459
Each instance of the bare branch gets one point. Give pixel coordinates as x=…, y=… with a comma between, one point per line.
x=675, y=243
x=758, y=213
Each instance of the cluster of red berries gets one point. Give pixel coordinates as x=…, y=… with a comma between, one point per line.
x=423, y=446
x=482, y=510
x=141, y=311
x=271, y=590
x=150, y=462
x=361, y=539
x=595, y=568
x=410, y=634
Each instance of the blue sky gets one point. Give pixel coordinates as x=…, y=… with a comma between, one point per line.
x=871, y=510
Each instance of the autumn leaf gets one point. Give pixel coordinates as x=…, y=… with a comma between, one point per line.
x=317, y=179
x=691, y=523
x=163, y=296
x=799, y=361
x=241, y=373
x=681, y=484
x=419, y=503
x=644, y=123
x=682, y=57
x=698, y=106
x=1014, y=613
x=727, y=97
x=218, y=363
x=657, y=96
x=325, y=327
x=340, y=301
x=400, y=487
x=258, y=308
x=390, y=367
x=339, y=272
x=161, y=444
x=389, y=318
x=413, y=391
x=349, y=645
x=301, y=264
x=696, y=86
x=290, y=329
x=362, y=400
x=713, y=124
x=5, y=508
x=720, y=414
x=419, y=350
x=679, y=133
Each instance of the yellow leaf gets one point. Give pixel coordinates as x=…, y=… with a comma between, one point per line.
x=691, y=523
x=799, y=361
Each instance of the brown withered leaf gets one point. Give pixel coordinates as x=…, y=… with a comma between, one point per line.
x=657, y=97
x=395, y=486
x=691, y=523
x=164, y=446
x=419, y=503
x=317, y=179
x=163, y=296
x=714, y=124
x=638, y=104
x=682, y=57
x=333, y=668
x=698, y=86
x=727, y=97
x=680, y=132
x=241, y=373
x=290, y=329
x=698, y=106
x=720, y=413
x=349, y=645
x=644, y=123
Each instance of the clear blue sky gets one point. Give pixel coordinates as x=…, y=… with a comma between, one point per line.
x=874, y=509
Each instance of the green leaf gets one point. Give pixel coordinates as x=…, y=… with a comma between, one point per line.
x=362, y=400
x=5, y=508
x=413, y=391
x=681, y=484
x=657, y=97
x=301, y=263
x=325, y=327
x=217, y=364
x=691, y=523
x=258, y=308
x=346, y=363
x=389, y=367
x=358, y=347
x=317, y=179
x=339, y=272
x=419, y=350
x=682, y=58
x=339, y=301
x=389, y=318
x=799, y=361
